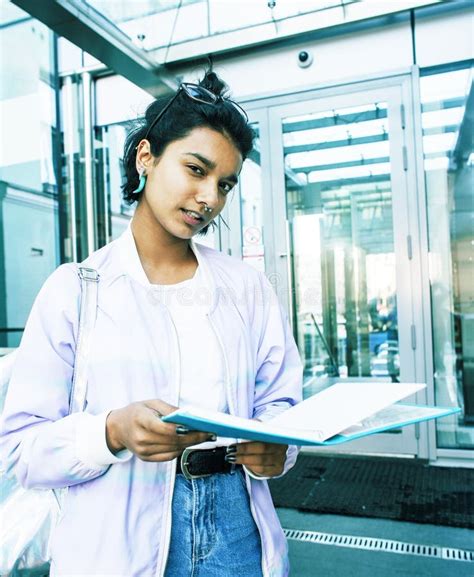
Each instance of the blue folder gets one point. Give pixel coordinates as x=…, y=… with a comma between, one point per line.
x=377, y=423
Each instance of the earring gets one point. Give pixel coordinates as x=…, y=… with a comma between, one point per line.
x=141, y=183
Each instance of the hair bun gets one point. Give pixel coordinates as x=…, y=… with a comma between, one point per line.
x=214, y=84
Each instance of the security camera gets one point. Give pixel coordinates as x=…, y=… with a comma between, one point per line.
x=305, y=59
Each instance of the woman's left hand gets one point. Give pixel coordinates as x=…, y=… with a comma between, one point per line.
x=265, y=459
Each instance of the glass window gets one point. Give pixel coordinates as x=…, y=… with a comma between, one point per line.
x=113, y=214
x=447, y=111
x=151, y=24
x=261, y=12
x=339, y=204
x=29, y=239
x=154, y=24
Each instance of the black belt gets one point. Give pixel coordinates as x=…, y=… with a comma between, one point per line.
x=195, y=463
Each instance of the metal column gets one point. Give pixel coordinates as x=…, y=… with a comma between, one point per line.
x=88, y=161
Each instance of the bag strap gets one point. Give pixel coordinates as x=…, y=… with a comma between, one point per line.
x=87, y=315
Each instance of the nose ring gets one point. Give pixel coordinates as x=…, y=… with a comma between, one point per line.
x=207, y=208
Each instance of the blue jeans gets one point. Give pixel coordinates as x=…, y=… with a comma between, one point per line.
x=213, y=533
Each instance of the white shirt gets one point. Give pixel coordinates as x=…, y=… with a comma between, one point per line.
x=201, y=366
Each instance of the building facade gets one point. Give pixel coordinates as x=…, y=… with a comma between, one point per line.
x=357, y=201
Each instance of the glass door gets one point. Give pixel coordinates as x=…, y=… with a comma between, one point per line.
x=340, y=188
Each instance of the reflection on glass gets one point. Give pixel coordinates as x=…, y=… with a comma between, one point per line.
x=261, y=12
x=253, y=252
x=157, y=23
x=29, y=237
x=113, y=213
x=153, y=24
x=447, y=112
x=339, y=202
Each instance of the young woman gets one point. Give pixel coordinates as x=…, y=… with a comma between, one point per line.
x=177, y=324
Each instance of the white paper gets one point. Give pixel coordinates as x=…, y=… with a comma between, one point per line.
x=392, y=416
x=344, y=404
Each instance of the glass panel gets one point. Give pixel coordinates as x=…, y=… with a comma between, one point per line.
x=29, y=239
x=154, y=24
x=261, y=12
x=339, y=203
x=447, y=113
x=79, y=169
x=253, y=252
x=113, y=214
x=124, y=10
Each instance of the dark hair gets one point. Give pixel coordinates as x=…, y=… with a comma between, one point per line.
x=181, y=118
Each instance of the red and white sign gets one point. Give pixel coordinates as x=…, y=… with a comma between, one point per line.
x=252, y=235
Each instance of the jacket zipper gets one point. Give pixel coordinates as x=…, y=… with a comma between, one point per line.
x=233, y=412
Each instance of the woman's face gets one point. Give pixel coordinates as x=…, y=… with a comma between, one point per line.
x=192, y=173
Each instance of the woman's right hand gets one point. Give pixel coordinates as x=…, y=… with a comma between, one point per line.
x=139, y=428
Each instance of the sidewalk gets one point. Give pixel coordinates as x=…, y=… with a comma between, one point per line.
x=351, y=559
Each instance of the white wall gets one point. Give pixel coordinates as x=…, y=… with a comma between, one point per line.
x=349, y=56
x=370, y=53
x=447, y=39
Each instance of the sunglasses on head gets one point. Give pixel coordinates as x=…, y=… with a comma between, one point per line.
x=199, y=94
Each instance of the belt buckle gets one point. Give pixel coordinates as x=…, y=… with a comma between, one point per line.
x=184, y=466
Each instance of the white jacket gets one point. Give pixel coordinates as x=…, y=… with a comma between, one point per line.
x=117, y=513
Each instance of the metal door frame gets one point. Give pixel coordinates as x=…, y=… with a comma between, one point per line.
x=396, y=90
